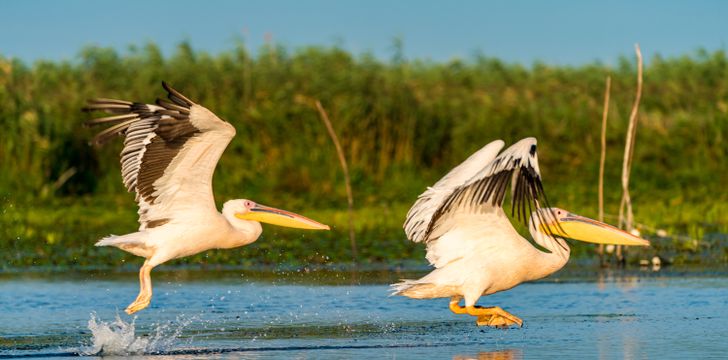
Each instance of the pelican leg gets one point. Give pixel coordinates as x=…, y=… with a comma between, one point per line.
x=145, y=290
x=455, y=305
x=493, y=316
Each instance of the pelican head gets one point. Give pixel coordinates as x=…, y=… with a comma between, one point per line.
x=251, y=211
x=564, y=224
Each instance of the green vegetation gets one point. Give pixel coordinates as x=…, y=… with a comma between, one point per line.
x=402, y=123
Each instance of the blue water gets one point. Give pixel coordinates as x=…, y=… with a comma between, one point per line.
x=211, y=314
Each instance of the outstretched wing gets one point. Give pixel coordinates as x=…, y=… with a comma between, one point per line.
x=438, y=209
x=169, y=155
x=420, y=214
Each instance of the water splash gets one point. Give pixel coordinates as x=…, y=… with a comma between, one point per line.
x=119, y=337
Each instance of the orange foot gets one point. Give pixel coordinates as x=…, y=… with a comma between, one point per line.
x=486, y=316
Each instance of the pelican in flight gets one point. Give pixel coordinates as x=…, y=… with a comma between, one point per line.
x=169, y=156
x=473, y=246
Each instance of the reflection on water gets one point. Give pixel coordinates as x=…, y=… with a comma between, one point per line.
x=620, y=279
x=510, y=354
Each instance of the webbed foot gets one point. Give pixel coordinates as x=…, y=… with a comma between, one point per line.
x=141, y=302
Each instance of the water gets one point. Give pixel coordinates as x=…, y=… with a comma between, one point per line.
x=213, y=314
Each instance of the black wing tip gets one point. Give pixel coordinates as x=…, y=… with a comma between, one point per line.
x=108, y=101
x=110, y=106
x=168, y=88
x=89, y=107
x=176, y=96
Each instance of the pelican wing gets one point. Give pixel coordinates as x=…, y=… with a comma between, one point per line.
x=420, y=214
x=437, y=210
x=169, y=155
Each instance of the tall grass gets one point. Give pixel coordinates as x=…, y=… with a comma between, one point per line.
x=402, y=124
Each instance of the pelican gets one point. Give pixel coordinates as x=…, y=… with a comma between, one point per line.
x=473, y=246
x=170, y=152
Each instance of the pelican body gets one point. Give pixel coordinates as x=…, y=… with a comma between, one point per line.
x=170, y=152
x=471, y=242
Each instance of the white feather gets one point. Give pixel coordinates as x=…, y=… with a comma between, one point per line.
x=470, y=241
x=420, y=215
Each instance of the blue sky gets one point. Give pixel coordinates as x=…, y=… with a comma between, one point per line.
x=555, y=32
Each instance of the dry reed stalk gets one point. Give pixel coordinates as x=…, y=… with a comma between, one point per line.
x=625, y=206
x=602, y=159
x=347, y=180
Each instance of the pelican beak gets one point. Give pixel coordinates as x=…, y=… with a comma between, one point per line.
x=585, y=229
x=280, y=217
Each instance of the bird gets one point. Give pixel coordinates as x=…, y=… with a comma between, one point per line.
x=471, y=243
x=171, y=149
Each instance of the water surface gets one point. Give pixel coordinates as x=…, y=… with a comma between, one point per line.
x=213, y=314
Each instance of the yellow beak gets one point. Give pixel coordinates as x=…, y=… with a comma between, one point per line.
x=585, y=229
x=280, y=217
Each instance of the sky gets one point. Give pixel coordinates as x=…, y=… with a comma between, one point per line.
x=557, y=32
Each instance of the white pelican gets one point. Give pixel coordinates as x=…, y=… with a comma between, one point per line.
x=169, y=155
x=473, y=246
